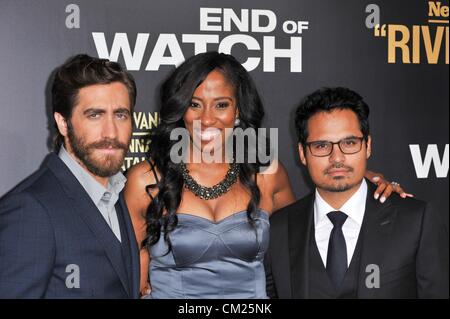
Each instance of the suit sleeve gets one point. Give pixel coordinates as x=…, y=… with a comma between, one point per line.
x=27, y=247
x=432, y=262
x=270, y=283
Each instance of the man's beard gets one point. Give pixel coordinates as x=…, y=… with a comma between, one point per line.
x=108, y=165
x=341, y=185
x=337, y=188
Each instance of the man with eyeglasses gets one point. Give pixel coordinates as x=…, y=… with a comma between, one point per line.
x=338, y=242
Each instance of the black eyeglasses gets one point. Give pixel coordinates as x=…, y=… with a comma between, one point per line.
x=349, y=145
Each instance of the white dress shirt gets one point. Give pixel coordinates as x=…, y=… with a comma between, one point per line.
x=354, y=208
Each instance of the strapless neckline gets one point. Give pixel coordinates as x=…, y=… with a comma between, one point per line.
x=234, y=215
x=210, y=259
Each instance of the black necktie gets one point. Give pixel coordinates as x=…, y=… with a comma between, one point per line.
x=337, y=249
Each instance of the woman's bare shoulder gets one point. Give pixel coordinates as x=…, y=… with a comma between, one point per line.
x=142, y=174
x=137, y=194
x=272, y=175
x=276, y=185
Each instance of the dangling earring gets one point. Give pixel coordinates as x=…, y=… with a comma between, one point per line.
x=237, y=121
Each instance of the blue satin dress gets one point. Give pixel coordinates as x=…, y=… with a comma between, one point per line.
x=212, y=259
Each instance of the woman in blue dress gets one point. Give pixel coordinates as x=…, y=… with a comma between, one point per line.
x=202, y=224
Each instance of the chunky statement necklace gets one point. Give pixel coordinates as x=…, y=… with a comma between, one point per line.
x=210, y=192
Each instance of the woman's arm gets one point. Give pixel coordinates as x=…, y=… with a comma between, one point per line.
x=138, y=200
x=277, y=181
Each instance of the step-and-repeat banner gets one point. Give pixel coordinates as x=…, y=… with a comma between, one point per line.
x=394, y=53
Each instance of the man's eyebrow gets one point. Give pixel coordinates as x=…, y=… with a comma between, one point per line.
x=101, y=110
x=94, y=110
x=122, y=110
x=344, y=138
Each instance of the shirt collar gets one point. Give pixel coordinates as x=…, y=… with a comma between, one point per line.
x=354, y=207
x=95, y=190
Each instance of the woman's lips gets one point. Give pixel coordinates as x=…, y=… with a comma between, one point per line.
x=208, y=134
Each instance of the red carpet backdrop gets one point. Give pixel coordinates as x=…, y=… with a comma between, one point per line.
x=394, y=53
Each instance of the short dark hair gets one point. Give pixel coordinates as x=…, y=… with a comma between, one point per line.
x=80, y=71
x=326, y=100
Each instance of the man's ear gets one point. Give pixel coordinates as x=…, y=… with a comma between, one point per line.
x=369, y=147
x=301, y=152
x=61, y=123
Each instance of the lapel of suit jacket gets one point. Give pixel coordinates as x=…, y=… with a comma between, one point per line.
x=377, y=226
x=300, y=223
x=133, y=249
x=83, y=205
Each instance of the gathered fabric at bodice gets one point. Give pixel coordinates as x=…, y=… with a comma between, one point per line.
x=212, y=259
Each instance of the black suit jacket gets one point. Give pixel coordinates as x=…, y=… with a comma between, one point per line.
x=403, y=237
x=48, y=227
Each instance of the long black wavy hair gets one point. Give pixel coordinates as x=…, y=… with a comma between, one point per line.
x=175, y=97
